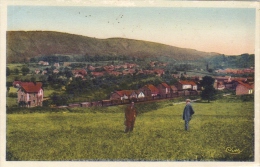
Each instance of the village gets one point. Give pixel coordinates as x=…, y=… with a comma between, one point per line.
x=130, y=82
x=31, y=94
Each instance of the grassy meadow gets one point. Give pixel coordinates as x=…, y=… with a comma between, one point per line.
x=221, y=130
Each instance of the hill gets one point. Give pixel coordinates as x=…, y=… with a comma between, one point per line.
x=23, y=45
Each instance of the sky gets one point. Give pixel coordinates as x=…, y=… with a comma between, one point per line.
x=229, y=31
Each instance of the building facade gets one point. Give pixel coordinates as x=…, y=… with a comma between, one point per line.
x=30, y=94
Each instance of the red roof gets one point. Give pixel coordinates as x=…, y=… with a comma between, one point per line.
x=97, y=73
x=188, y=83
x=153, y=88
x=165, y=85
x=125, y=92
x=31, y=87
x=239, y=79
x=17, y=83
x=246, y=85
x=173, y=87
x=80, y=71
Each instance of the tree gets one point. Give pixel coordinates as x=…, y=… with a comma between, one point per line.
x=16, y=71
x=25, y=70
x=8, y=89
x=33, y=79
x=182, y=77
x=208, y=92
x=8, y=71
x=210, y=70
x=207, y=80
x=58, y=99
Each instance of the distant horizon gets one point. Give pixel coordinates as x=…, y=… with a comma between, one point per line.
x=228, y=31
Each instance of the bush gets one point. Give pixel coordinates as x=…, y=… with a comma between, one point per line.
x=46, y=103
x=26, y=110
x=247, y=97
x=12, y=94
x=59, y=99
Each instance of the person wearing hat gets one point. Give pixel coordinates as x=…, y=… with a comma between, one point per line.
x=130, y=115
x=187, y=113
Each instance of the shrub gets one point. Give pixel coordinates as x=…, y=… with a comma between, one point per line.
x=26, y=110
x=46, y=103
x=12, y=94
x=247, y=97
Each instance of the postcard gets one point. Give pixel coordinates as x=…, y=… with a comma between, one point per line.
x=132, y=83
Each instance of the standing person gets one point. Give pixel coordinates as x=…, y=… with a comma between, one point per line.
x=187, y=113
x=130, y=115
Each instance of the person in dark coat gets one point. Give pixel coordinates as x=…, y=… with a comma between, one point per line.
x=130, y=115
x=187, y=113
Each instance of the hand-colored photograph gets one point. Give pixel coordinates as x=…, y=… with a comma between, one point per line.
x=130, y=84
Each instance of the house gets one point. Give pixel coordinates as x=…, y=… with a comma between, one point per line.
x=98, y=74
x=177, y=76
x=219, y=85
x=231, y=85
x=133, y=95
x=44, y=63
x=81, y=72
x=109, y=68
x=55, y=71
x=140, y=95
x=116, y=73
x=152, y=64
x=250, y=80
x=56, y=64
x=244, y=88
x=151, y=89
x=30, y=94
x=79, y=76
x=66, y=64
x=116, y=96
x=96, y=103
x=147, y=72
x=124, y=66
x=173, y=91
x=17, y=84
x=37, y=71
x=118, y=66
x=164, y=89
x=130, y=65
x=223, y=79
x=40, y=62
x=146, y=91
x=91, y=68
x=242, y=79
x=44, y=72
x=186, y=85
x=222, y=82
x=74, y=105
x=85, y=104
x=128, y=71
x=159, y=72
x=123, y=95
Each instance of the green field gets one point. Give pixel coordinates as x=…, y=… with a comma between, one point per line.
x=97, y=134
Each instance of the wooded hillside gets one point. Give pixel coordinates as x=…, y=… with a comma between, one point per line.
x=23, y=45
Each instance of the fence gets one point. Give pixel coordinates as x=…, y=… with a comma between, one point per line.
x=105, y=103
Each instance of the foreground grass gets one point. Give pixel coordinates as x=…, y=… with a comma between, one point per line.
x=158, y=135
